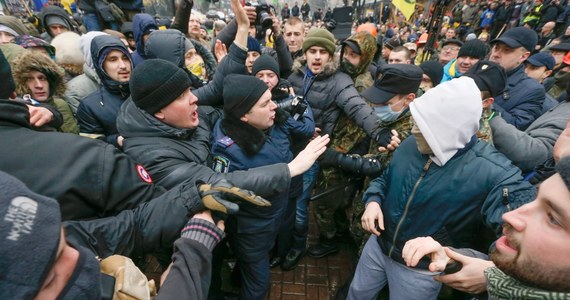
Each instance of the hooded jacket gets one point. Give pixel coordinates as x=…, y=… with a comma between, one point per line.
x=141, y=24
x=30, y=61
x=14, y=23
x=367, y=44
x=53, y=10
x=330, y=92
x=172, y=155
x=97, y=113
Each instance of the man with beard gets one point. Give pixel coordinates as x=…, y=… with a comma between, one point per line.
x=529, y=261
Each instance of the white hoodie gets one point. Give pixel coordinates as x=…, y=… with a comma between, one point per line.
x=448, y=116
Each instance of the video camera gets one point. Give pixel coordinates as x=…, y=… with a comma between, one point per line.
x=296, y=106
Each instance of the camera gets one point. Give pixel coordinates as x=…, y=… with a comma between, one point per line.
x=263, y=11
x=296, y=106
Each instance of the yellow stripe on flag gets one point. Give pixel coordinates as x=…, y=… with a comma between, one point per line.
x=407, y=7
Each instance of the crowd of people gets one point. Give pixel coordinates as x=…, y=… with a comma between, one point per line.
x=126, y=135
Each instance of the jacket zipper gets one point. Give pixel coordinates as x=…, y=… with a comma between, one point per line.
x=506, y=198
x=425, y=169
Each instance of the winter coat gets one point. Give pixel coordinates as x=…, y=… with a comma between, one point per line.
x=528, y=149
x=97, y=113
x=141, y=24
x=172, y=155
x=419, y=198
x=34, y=61
x=503, y=13
x=295, y=11
x=53, y=10
x=330, y=92
x=80, y=87
x=521, y=103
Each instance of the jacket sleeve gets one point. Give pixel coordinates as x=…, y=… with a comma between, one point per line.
x=509, y=192
x=284, y=57
x=151, y=226
x=189, y=276
x=348, y=99
x=523, y=114
x=527, y=149
x=234, y=62
x=57, y=119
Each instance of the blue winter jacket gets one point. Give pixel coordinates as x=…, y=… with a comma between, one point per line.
x=449, y=203
x=521, y=103
x=141, y=24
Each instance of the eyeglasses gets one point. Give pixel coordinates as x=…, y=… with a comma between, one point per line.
x=450, y=48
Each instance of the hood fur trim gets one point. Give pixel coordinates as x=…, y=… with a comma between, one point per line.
x=34, y=61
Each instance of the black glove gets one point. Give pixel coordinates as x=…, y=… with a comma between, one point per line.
x=222, y=196
x=360, y=165
x=383, y=137
x=329, y=158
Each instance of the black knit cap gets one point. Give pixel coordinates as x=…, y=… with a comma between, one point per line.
x=7, y=86
x=155, y=83
x=241, y=92
x=563, y=168
x=265, y=62
x=474, y=48
x=433, y=70
x=488, y=76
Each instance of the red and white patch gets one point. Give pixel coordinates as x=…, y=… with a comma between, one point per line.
x=143, y=174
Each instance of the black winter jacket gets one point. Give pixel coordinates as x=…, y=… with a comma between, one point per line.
x=173, y=155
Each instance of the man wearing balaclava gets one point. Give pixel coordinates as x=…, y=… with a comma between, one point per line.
x=448, y=183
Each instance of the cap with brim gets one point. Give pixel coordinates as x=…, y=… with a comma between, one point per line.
x=56, y=20
x=564, y=47
x=542, y=59
x=376, y=95
x=518, y=37
x=352, y=46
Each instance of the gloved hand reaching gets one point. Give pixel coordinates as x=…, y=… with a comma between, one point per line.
x=383, y=137
x=222, y=196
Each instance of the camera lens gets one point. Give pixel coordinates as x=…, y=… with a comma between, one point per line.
x=265, y=19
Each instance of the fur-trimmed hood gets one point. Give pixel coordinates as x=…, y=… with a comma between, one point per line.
x=300, y=64
x=34, y=61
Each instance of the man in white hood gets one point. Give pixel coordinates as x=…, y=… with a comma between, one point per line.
x=442, y=182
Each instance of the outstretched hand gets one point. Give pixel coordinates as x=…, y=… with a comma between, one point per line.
x=306, y=158
x=417, y=248
x=394, y=143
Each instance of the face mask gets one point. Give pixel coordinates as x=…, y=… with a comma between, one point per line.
x=423, y=146
x=196, y=68
x=85, y=280
x=386, y=114
x=348, y=67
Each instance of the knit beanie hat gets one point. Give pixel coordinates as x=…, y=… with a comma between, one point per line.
x=321, y=38
x=30, y=230
x=265, y=62
x=253, y=45
x=7, y=86
x=241, y=92
x=433, y=70
x=474, y=48
x=563, y=168
x=155, y=83
x=67, y=49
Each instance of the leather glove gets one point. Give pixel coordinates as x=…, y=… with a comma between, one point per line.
x=222, y=196
x=329, y=158
x=383, y=137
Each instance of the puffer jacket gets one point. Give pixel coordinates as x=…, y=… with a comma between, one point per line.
x=173, y=155
x=521, y=103
x=449, y=203
x=141, y=24
x=331, y=92
x=97, y=113
x=30, y=61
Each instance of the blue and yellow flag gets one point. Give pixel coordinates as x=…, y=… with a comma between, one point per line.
x=407, y=7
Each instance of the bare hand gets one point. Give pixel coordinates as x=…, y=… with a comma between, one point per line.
x=317, y=133
x=394, y=143
x=306, y=158
x=276, y=27
x=220, y=50
x=251, y=14
x=419, y=247
x=242, y=13
x=39, y=116
x=373, y=214
x=562, y=145
x=470, y=278
x=207, y=215
x=120, y=140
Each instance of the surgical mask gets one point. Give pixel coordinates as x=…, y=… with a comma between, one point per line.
x=386, y=114
x=85, y=282
x=196, y=68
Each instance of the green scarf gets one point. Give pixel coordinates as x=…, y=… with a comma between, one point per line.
x=503, y=286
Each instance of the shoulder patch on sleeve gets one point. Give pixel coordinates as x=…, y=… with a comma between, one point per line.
x=220, y=164
x=143, y=174
x=226, y=141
